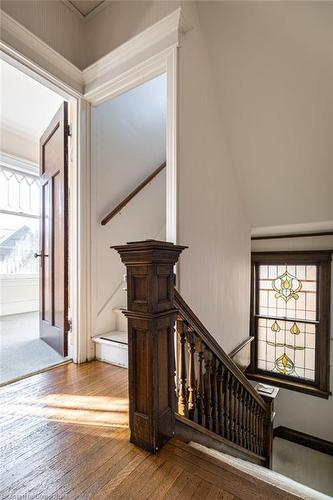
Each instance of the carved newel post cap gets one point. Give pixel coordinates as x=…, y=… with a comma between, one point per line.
x=149, y=251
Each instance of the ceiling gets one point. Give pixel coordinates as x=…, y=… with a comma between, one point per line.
x=26, y=106
x=85, y=7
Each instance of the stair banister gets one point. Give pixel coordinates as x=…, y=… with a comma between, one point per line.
x=212, y=393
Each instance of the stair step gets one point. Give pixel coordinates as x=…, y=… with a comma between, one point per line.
x=112, y=347
x=121, y=320
x=116, y=336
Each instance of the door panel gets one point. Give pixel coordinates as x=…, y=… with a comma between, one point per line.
x=54, y=233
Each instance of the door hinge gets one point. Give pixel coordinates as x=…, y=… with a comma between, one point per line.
x=69, y=129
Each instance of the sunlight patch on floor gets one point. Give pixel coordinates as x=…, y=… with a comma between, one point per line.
x=102, y=411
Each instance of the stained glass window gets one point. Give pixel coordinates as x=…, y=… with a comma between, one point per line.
x=290, y=322
x=287, y=319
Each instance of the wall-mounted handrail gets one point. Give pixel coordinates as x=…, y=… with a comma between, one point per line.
x=135, y=191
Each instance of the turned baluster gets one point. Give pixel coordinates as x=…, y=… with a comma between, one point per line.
x=214, y=395
x=261, y=431
x=182, y=399
x=236, y=409
x=247, y=421
x=232, y=408
x=226, y=432
x=200, y=383
x=241, y=416
x=220, y=408
x=255, y=427
x=191, y=372
x=252, y=425
x=208, y=390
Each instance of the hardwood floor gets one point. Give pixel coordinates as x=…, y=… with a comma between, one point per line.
x=64, y=434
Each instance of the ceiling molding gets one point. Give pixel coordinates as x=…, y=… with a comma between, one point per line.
x=18, y=42
x=159, y=37
x=309, y=227
x=84, y=18
x=16, y=35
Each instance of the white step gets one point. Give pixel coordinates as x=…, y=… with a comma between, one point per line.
x=112, y=347
x=121, y=320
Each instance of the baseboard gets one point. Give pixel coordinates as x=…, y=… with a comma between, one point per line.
x=304, y=439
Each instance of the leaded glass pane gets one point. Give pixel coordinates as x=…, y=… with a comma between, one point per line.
x=287, y=319
x=284, y=293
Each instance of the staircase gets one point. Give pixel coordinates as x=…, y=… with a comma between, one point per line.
x=213, y=400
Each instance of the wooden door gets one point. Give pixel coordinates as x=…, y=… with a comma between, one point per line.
x=53, y=254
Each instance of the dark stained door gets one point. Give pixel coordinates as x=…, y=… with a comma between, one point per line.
x=53, y=254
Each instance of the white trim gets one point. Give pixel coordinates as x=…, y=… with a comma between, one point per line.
x=172, y=146
x=15, y=34
x=132, y=54
x=84, y=347
x=79, y=200
x=308, y=227
x=11, y=161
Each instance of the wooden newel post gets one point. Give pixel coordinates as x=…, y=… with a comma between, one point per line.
x=151, y=317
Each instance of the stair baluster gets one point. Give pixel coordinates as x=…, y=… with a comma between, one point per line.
x=191, y=372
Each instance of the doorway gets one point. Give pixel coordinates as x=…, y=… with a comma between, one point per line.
x=128, y=164
x=34, y=222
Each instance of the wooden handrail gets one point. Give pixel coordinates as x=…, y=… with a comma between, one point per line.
x=200, y=329
x=135, y=191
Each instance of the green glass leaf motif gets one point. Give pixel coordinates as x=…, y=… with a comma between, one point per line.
x=286, y=286
x=289, y=346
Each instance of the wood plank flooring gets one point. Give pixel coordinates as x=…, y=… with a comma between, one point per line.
x=64, y=434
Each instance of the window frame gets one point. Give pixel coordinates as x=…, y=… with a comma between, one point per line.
x=322, y=259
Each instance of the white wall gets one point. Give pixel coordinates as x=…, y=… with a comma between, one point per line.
x=302, y=412
x=214, y=271
x=21, y=146
x=128, y=144
x=273, y=63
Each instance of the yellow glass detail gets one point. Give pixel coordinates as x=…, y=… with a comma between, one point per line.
x=275, y=327
x=284, y=365
x=295, y=330
x=286, y=286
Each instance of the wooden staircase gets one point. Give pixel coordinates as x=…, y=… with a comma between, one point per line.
x=212, y=396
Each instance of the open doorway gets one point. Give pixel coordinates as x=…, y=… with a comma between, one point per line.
x=128, y=153
x=34, y=223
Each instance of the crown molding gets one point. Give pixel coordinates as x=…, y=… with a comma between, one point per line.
x=101, y=6
x=140, y=50
x=309, y=227
x=16, y=36
x=156, y=39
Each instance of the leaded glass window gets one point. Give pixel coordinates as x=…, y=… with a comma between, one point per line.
x=287, y=319
x=290, y=316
